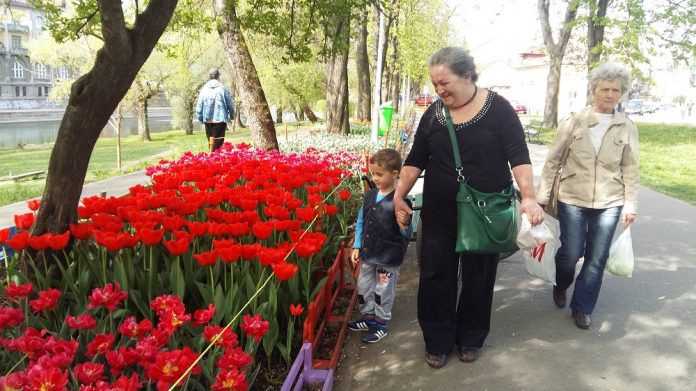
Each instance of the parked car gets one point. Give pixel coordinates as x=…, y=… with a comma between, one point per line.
x=519, y=107
x=634, y=106
x=649, y=107
x=425, y=99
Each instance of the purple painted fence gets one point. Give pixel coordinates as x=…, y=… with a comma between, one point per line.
x=302, y=373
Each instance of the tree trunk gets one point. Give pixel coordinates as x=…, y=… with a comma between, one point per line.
x=189, y=106
x=300, y=115
x=279, y=115
x=556, y=52
x=337, y=82
x=362, y=64
x=595, y=38
x=305, y=110
x=260, y=121
x=553, y=82
x=93, y=98
x=394, y=80
x=141, y=112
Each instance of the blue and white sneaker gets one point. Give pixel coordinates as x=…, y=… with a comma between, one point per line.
x=377, y=331
x=361, y=324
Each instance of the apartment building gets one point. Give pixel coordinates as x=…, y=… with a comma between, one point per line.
x=24, y=84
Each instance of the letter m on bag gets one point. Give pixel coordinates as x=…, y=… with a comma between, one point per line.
x=538, y=252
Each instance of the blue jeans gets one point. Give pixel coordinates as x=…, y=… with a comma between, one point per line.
x=584, y=232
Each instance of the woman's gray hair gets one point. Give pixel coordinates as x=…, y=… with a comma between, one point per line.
x=610, y=71
x=458, y=60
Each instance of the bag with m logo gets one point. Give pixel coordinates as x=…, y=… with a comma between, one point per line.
x=540, y=262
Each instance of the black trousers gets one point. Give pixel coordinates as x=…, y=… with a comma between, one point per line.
x=445, y=318
x=216, y=130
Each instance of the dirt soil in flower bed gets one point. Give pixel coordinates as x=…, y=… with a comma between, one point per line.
x=270, y=377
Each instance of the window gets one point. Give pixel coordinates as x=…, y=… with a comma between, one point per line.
x=17, y=70
x=39, y=91
x=24, y=91
x=40, y=70
x=16, y=42
x=16, y=91
x=39, y=25
x=46, y=90
x=63, y=72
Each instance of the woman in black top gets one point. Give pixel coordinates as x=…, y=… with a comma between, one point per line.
x=491, y=140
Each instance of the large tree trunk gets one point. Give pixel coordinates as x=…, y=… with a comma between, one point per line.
x=260, y=121
x=141, y=113
x=362, y=64
x=337, y=81
x=595, y=37
x=556, y=52
x=394, y=80
x=93, y=98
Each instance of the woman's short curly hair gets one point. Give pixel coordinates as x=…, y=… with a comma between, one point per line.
x=610, y=71
x=458, y=60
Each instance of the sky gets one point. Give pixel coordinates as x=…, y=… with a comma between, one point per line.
x=497, y=29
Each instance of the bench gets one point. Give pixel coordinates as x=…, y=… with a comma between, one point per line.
x=533, y=129
x=31, y=174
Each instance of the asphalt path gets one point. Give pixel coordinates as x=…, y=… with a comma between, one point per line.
x=643, y=335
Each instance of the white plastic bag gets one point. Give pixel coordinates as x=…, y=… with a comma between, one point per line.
x=530, y=237
x=620, y=262
x=540, y=261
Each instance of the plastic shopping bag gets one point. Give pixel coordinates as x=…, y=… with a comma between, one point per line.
x=530, y=237
x=620, y=262
x=540, y=261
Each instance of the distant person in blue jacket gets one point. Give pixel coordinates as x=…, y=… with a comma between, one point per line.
x=215, y=109
x=381, y=245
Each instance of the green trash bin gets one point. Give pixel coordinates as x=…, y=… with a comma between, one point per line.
x=385, y=116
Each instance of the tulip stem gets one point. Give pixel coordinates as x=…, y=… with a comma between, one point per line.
x=15, y=366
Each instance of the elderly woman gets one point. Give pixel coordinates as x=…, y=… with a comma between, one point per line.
x=491, y=140
x=598, y=186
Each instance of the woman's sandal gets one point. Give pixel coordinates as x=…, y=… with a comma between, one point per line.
x=469, y=354
x=436, y=360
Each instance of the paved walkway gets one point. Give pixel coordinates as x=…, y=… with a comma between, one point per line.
x=643, y=336
x=115, y=186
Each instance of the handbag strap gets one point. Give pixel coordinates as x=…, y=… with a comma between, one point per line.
x=455, y=146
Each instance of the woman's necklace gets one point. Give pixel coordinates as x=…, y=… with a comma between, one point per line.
x=470, y=99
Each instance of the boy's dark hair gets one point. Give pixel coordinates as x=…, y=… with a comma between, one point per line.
x=387, y=158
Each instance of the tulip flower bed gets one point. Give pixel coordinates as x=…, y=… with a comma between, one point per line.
x=180, y=283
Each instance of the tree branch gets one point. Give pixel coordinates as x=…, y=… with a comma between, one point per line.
x=114, y=27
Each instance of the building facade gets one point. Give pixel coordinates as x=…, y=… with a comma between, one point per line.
x=24, y=84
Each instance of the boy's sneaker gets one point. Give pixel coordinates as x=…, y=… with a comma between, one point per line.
x=376, y=332
x=361, y=324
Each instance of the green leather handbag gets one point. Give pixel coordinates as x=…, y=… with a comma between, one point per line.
x=486, y=222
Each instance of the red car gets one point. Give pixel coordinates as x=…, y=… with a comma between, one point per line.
x=519, y=107
x=424, y=99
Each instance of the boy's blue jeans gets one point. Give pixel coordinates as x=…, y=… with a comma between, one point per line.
x=584, y=232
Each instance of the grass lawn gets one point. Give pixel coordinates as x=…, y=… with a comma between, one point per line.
x=135, y=155
x=668, y=159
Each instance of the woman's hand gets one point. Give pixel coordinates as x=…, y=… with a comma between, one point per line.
x=403, y=212
x=628, y=219
x=534, y=211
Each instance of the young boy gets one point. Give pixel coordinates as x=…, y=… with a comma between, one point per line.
x=381, y=245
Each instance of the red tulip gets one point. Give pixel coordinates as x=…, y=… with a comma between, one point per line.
x=201, y=317
x=34, y=204
x=254, y=326
x=177, y=246
x=47, y=378
x=284, y=271
x=220, y=336
x=4, y=235
x=296, y=310
x=89, y=372
x=14, y=291
x=60, y=241
x=208, y=258
x=108, y=297
x=82, y=322
x=24, y=221
x=330, y=209
x=81, y=231
x=48, y=299
x=150, y=237
x=344, y=195
x=234, y=358
x=231, y=379
x=101, y=344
